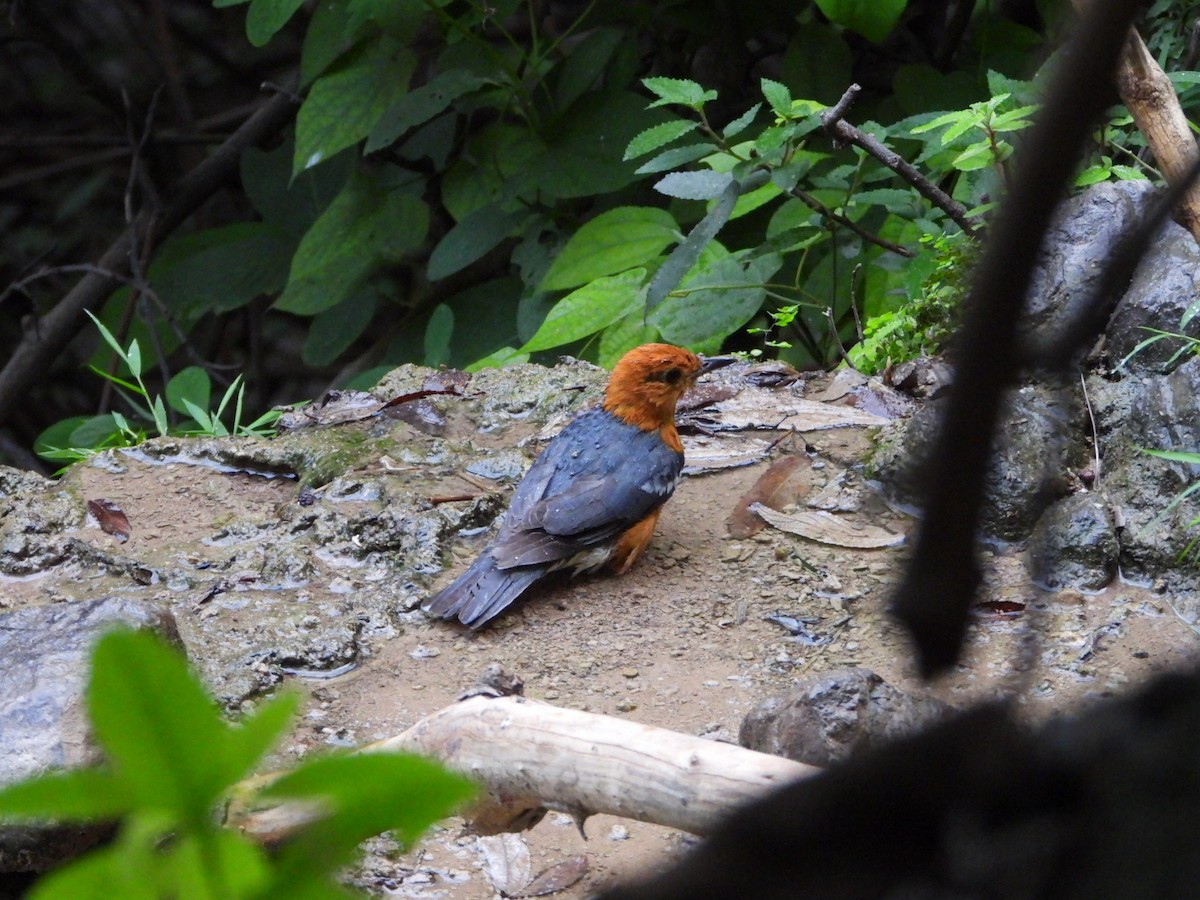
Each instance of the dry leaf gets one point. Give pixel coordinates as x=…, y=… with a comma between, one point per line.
x=727, y=452
x=111, y=517
x=742, y=523
x=826, y=528
x=558, y=877
x=506, y=861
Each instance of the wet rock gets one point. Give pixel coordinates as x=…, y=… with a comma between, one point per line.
x=1166, y=283
x=44, y=658
x=830, y=717
x=1156, y=412
x=1075, y=544
x=1076, y=248
x=1038, y=441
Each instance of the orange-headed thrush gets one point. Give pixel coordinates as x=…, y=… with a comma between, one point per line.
x=593, y=496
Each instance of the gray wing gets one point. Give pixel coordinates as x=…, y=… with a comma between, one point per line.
x=595, y=480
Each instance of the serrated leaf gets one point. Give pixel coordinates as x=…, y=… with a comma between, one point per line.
x=702, y=185
x=674, y=158
x=678, y=90
x=709, y=304
x=470, y=239
x=778, y=96
x=265, y=17
x=741, y=123
x=1129, y=173
x=589, y=309
x=421, y=104
x=1093, y=175
x=347, y=102
x=660, y=135
x=977, y=156
x=612, y=242
x=363, y=225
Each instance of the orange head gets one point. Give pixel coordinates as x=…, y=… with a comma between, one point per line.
x=648, y=381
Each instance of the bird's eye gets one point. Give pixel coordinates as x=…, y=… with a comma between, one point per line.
x=673, y=376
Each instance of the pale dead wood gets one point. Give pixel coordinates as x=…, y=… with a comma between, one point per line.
x=1154, y=105
x=531, y=756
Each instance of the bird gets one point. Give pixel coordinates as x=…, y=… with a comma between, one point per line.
x=593, y=497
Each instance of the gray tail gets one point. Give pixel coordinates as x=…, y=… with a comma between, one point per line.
x=482, y=592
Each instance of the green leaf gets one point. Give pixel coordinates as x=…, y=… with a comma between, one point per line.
x=741, y=123
x=589, y=309
x=369, y=793
x=873, y=19
x=1093, y=175
x=346, y=103
x=505, y=356
x=977, y=156
x=290, y=204
x=365, y=224
x=160, y=730
x=250, y=739
x=678, y=90
x=612, y=242
x=133, y=358
x=1129, y=173
x=222, y=269
x=471, y=239
x=778, y=96
x=192, y=384
x=437, y=335
x=674, y=158
x=709, y=304
x=702, y=185
x=583, y=68
x=79, y=795
x=685, y=256
x=658, y=136
x=108, y=337
x=623, y=335
x=423, y=103
x=335, y=329
x=265, y=17
x=324, y=39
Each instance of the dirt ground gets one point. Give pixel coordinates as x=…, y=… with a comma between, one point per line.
x=680, y=642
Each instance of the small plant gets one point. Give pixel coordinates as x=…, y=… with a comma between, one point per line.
x=924, y=324
x=187, y=393
x=171, y=759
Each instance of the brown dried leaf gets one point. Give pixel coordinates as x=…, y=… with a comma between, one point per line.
x=742, y=522
x=558, y=877
x=111, y=517
x=826, y=528
x=1006, y=609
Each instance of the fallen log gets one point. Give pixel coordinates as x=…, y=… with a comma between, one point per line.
x=530, y=757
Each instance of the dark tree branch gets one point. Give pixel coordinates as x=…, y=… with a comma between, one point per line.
x=826, y=213
x=842, y=132
x=40, y=346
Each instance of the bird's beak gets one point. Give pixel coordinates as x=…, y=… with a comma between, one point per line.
x=709, y=363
